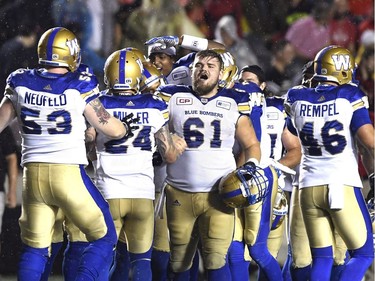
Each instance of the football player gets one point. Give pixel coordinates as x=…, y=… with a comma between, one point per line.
x=76, y=240
x=209, y=119
x=299, y=258
x=161, y=245
x=74, y=248
x=273, y=125
x=51, y=104
x=162, y=54
x=130, y=189
x=238, y=255
x=249, y=76
x=329, y=119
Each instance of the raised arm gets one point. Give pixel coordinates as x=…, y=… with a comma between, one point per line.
x=101, y=120
x=185, y=41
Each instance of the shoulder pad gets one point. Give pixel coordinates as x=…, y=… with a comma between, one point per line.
x=86, y=82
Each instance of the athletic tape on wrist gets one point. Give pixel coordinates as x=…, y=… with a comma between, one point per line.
x=194, y=43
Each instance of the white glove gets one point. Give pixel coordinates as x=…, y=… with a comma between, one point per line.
x=281, y=167
x=163, y=42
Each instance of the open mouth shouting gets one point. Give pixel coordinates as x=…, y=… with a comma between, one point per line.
x=203, y=76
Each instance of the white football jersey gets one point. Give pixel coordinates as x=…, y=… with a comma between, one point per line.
x=275, y=125
x=208, y=127
x=180, y=75
x=326, y=119
x=265, y=141
x=258, y=117
x=50, y=110
x=124, y=168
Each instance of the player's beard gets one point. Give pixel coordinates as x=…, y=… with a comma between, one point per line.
x=202, y=88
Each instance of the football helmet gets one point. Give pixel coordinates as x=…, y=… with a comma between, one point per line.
x=230, y=69
x=138, y=52
x=334, y=64
x=59, y=47
x=152, y=77
x=123, y=71
x=244, y=186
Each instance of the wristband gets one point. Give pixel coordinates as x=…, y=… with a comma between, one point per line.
x=253, y=160
x=194, y=43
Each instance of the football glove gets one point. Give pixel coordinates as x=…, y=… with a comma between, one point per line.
x=163, y=42
x=280, y=167
x=251, y=163
x=157, y=159
x=281, y=171
x=129, y=122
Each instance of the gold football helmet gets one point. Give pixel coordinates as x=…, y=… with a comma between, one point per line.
x=123, y=71
x=59, y=46
x=230, y=70
x=152, y=77
x=244, y=186
x=138, y=52
x=334, y=64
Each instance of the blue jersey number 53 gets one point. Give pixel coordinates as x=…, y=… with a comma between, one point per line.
x=61, y=118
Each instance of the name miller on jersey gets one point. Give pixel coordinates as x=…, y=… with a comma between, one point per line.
x=318, y=110
x=44, y=100
x=142, y=116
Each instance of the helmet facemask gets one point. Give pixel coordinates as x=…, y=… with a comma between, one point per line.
x=245, y=186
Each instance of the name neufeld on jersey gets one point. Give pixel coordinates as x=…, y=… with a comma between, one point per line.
x=45, y=100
